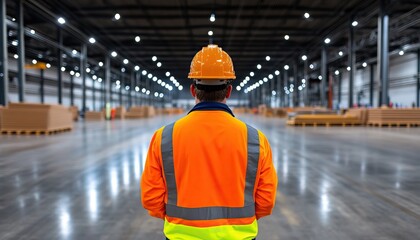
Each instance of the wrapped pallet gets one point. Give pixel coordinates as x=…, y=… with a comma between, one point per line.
x=75, y=112
x=394, y=117
x=36, y=118
x=94, y=116
x=360, y=113
x=120, y=112
x=135, y=112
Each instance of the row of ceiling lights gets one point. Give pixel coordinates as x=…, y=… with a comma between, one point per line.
x=114, y=54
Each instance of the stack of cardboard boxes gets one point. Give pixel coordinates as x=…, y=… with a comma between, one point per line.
x=33, y=117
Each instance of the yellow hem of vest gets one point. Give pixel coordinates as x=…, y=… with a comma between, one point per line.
x=183, y=232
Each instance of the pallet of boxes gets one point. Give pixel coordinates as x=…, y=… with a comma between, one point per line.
x=322, y=117
x=94, y=116
x=120, y=112
x=33, y=118
x=388, y=117
x=140, y=112
x=74, y=112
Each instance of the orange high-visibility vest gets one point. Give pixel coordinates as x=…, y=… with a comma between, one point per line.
x=209, y=176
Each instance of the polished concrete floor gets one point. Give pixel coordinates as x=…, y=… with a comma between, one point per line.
x=334, y=183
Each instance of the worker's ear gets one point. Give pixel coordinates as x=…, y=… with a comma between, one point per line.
x=192, y=90
x=229, y=91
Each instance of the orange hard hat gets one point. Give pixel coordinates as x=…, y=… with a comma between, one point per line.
x=211, y=63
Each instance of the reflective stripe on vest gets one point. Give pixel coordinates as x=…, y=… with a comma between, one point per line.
x=210, y=213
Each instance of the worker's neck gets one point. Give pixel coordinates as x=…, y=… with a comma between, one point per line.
x=197, y=101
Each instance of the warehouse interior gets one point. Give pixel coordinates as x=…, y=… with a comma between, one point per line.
x=334, y=86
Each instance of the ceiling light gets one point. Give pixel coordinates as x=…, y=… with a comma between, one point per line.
x=154, y=58
x=137, y=39
x=63, y=69
x=137, y=88
x=210, y=33
x=265, y=79
x=348, y=68
x=88, y=70
x=114, y=54
x=277, y=72
x=401, y=52
x=286, y=67
x=247, y=78
x=300, y=88
x=303, y=80
x=320, y=77
x=16, y=56
x=125, y=61
x=364, y=64
x=136, y=68
x=180, y=87
x=340, y=53
x=94, y=77
x=172, y=78
x=127, y=88
x=306, y=15
x=259, y=66
x=238, y=88
x=155, y=79
x=270, y=76
x=251, y=74
x=286, y=37
x=144, y=72
x=354, y=23
x=149, y=75
x=74, y=52
x=92, y=40
x=143, y=90
x=304, y=57
x=163, y=84
x=61, y=20
x=212, y=17
x=337, y=72
x=123, y=70
x=77, y=74
x=117, y=16
x=273, y=93
x=118, y=82
x=34, y=61
x=327, y=40
x=14, y=42
x=156, y=94
x=100, y=80
x=72, y=72
x=159, y=64
x=101, y=64
x=311, y=66
x=161, y=95
x=267, y=58
x=168, y=74
x=32, y=31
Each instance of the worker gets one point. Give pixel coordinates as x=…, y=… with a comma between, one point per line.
x=209, y=176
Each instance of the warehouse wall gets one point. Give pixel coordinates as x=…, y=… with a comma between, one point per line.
x=402, y=82
x=32, y=89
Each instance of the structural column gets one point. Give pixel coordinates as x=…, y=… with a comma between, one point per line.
x=107, y=83
x=340, y=80
x=121, y=89
x=324, y=74
x=352, y=64
x=21, y=51
x=41, y=86
x=286, y=84
x=60, y=64
x=418, y=78
x=83, y=63
x=371, y=84
x=383, y=57
x=93, y=95
x=296, y=84
x=4, y=77
x=71, y=90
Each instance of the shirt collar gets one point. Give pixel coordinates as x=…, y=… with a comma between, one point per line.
x=203, y=106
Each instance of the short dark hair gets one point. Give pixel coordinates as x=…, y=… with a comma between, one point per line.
x=211, y=96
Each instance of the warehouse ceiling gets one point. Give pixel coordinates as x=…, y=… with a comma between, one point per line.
x=249, y=31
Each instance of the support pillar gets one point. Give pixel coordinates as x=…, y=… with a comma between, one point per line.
x=286, y=84
x=324, y=74
x=60, y=64
x=4, y=76
x=371, y=84
x=296, y=84
x=21, y=51
x=122, y=85
x=306, y=74
x=383, y=56
x=107, y=83
x=418, y=78
x=83, y=63
x=352, y=63
x=41, y=85
x=93, y=95
x=71, y=90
